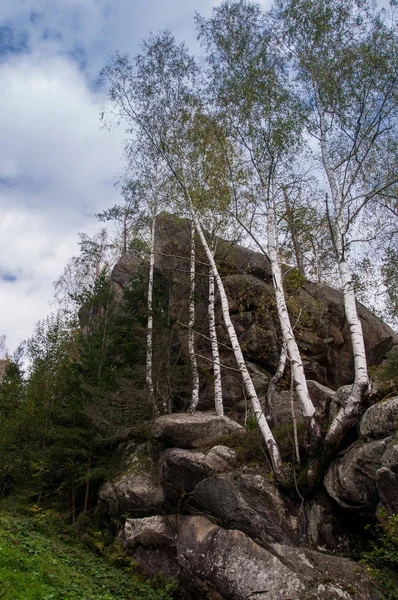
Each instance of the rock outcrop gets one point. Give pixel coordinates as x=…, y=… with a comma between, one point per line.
x=322, y=331
x=212, y=562
x=225, y=531
x=351, y=480
x=136, y=491
x=221, y=527
x=192, y=430
x=366, y=477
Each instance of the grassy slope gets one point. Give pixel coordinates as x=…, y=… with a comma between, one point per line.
x=42, y=562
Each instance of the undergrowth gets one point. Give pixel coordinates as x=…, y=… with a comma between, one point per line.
x=381, y=561
x=43, y=558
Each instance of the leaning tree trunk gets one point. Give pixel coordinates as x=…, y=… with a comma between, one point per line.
x=218, y=401
x=354, y=406
x=249, y=387
x=149, y=337
x=296, y=364
x=191, y=324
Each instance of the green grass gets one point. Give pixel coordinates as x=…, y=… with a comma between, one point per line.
x=42, y=559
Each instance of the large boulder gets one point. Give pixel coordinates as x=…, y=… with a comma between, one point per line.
x=211, y=562
x=136, y=491
x=185, y=430
x=380, y=420
x=351, y=480
x=250, y=503
x=387, y=479
x=181, y=470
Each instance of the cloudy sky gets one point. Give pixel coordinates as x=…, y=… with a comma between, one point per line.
x=57, y=167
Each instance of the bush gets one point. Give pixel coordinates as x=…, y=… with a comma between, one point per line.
x=381, y=560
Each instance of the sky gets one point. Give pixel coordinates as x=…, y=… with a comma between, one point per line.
x=57, y=166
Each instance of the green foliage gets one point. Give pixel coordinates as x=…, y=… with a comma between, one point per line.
x=390, y=277
x=41, y=558
x=386, y=375
x=284, y=437
x=382, y=558
x=293, y=281
x=249, y=447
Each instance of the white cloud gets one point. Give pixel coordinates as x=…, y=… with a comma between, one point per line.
x=62, y=168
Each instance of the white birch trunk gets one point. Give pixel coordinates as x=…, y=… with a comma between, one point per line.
x=191, y=324
x=296, y=364
x=350, y=413
x=149, y=337
x=250, y=389
x=218, y=401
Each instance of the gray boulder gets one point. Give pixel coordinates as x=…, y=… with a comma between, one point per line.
x=380, y=420
x=180, y=471
x=247, y=502
x=387, y=479
x=136, y=491
x=184, y=430
x=211, y=562
x=351, y=480
x=220, y=459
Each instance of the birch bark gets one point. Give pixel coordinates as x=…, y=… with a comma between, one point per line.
x=350, y=413
x=300, y=382
x=218, y=400
x=191, y=324
x=149, y=337
x=250, y=390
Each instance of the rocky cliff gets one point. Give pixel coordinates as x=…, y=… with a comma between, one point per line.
x=317, y=310
x=197, y=499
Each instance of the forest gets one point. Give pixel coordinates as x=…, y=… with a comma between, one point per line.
x=280, y=136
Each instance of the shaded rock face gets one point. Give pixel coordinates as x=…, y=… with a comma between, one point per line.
x=226, y=532
x=249, y=503
x=387, y=479
x=192, y=431
x=181, y=470
x=351, y=480
x=324, y=529
x=211, y=562
x=322, y=332
x=366, y=477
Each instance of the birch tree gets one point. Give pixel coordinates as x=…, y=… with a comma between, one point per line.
x=157, y=97
x=346, y=60
x=262, y=114
x=124, y=216
x=191, y=324
x=146, y=165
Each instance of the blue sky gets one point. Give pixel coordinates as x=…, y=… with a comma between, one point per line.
x=57, y=166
